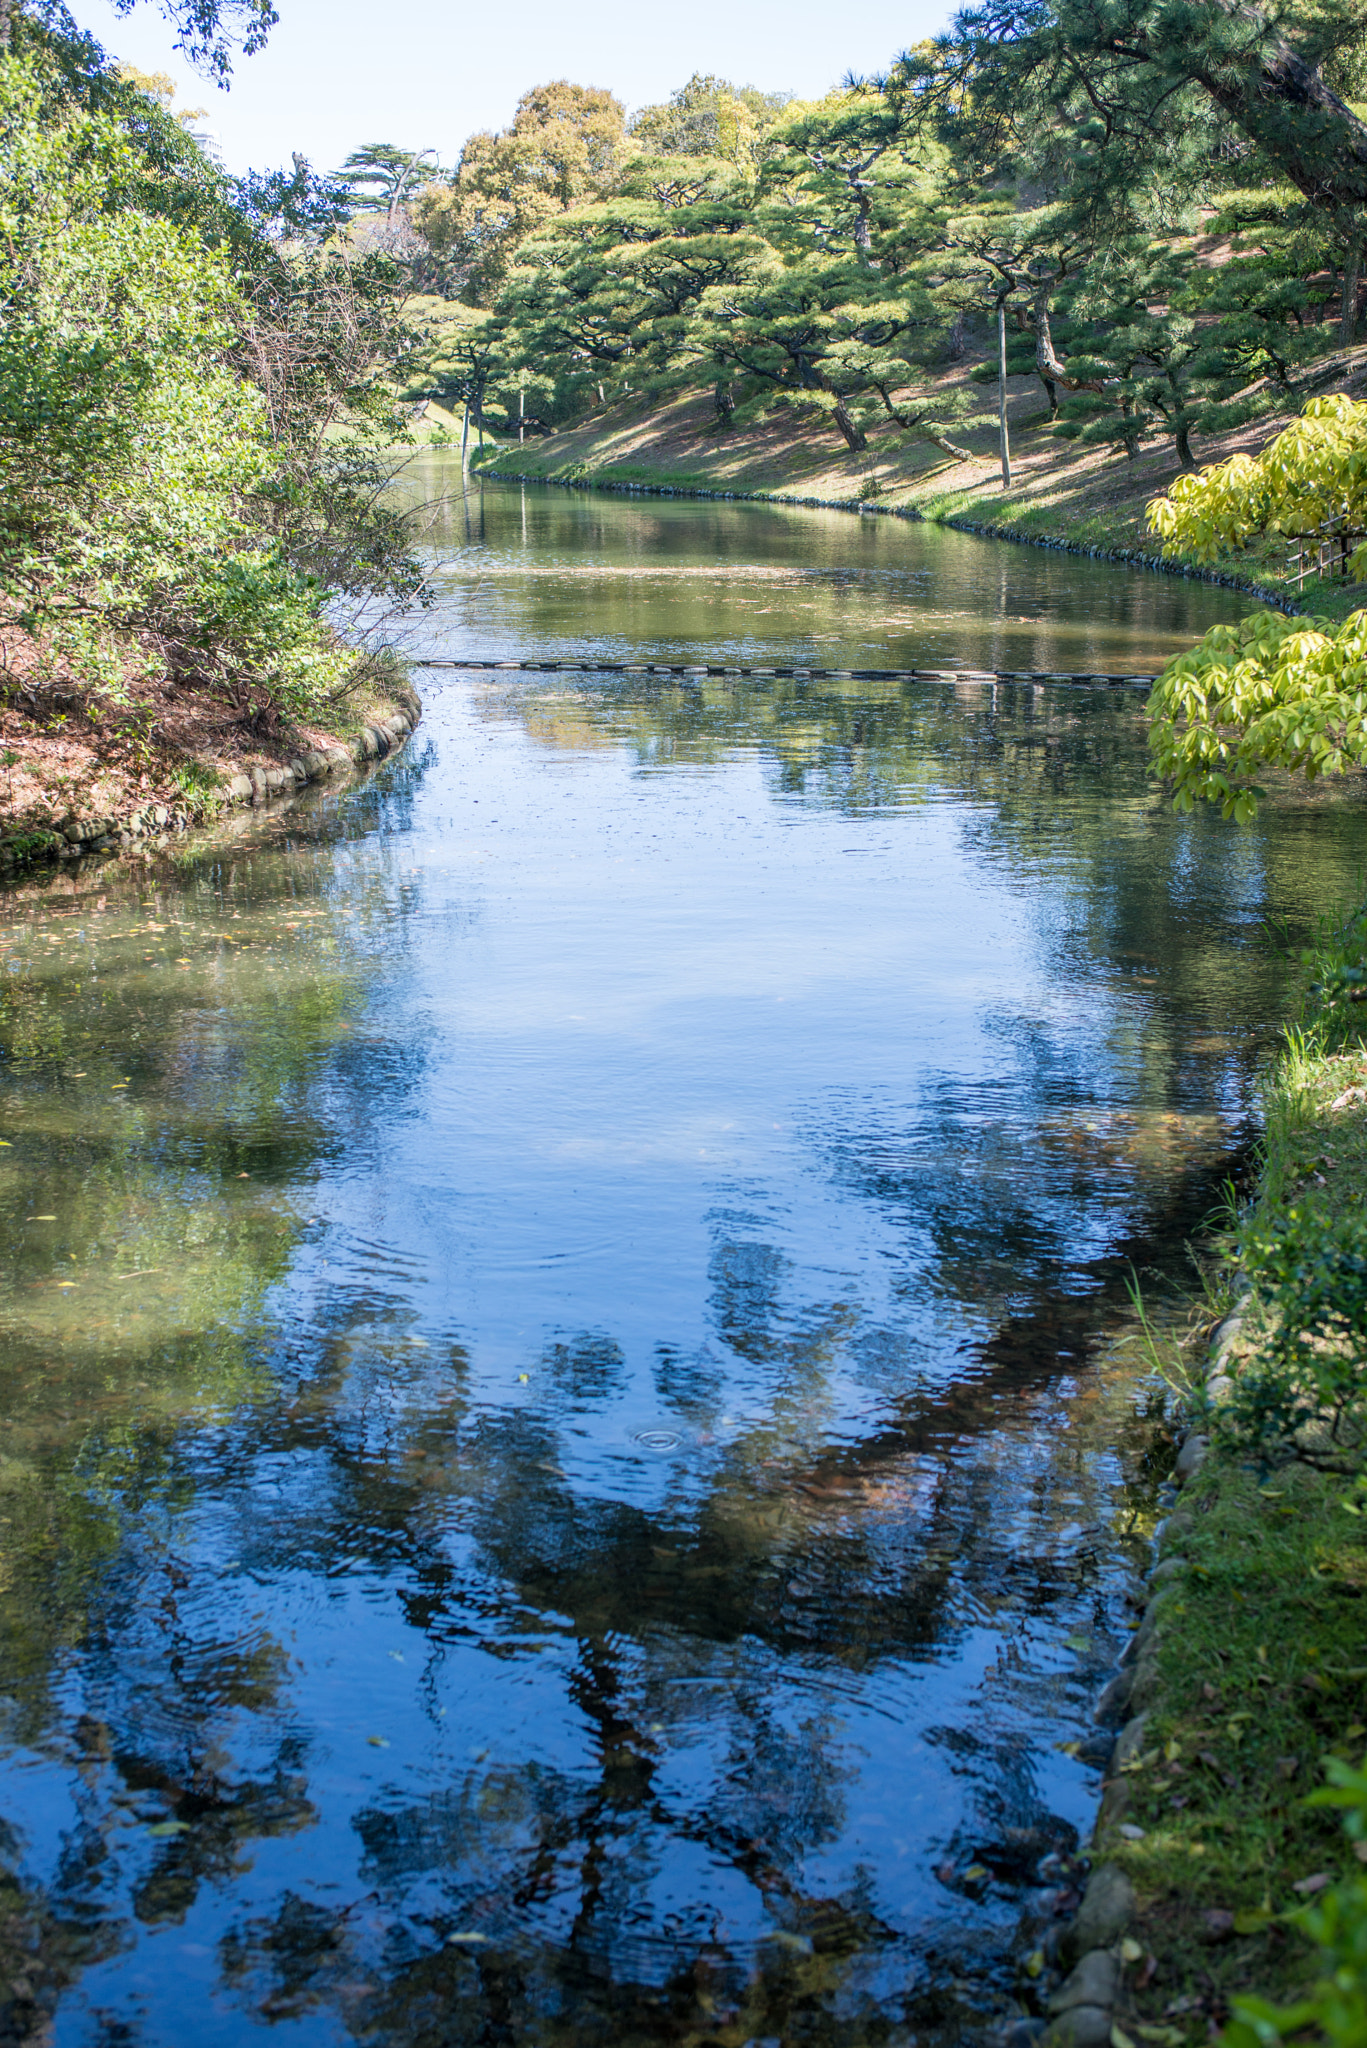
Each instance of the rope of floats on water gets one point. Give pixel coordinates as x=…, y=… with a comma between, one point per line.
x=860, y=675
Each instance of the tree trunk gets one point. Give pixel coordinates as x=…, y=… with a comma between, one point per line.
x=1129, y=427
x=1348, y=303
x=1051, y=367
x=923, y=428
x=1279, y=100
x=725, y=401
x=863, y=234
x=949, y=447
x=1184, y=455
x=1051, y=393
x=465, y=441
x=855, y=437
x=1318, y=140
x=958, y=346
x=1001, y=394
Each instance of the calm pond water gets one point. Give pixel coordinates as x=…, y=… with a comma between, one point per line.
x=565, y=1476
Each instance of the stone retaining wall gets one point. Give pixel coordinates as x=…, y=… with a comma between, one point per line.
x=155, y=823
x=1092, y=1949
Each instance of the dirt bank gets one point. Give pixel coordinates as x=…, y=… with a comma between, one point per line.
x=79, y=768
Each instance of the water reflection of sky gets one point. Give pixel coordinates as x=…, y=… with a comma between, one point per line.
x=574, y=1494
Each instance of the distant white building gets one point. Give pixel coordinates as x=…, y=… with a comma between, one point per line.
x=209, y=140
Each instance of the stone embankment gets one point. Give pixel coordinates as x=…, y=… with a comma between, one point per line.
x=155, y=824
x=1087, y=2008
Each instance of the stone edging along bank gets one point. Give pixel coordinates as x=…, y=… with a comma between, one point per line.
x=154, y=823
x=1131, y=558
x=1086, y=2010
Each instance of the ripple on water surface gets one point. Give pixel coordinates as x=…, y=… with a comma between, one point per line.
x=565, y=1470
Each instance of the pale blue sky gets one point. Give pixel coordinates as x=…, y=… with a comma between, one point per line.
x=337, y=73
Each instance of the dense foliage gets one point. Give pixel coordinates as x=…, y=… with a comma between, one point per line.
x=1163, y=199
x=193, y=409
x=1308, y=1393
x=1271, y=692
x=1334, y=2008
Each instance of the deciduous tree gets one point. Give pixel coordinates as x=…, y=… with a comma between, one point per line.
x=565, y=147
x=1273, y=691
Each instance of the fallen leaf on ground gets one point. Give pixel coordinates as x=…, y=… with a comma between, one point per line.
x=1315, y=1883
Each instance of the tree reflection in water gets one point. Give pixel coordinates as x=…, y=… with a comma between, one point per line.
x=478, y=1570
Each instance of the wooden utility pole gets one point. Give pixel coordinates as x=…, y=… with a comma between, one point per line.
x=1001, y=393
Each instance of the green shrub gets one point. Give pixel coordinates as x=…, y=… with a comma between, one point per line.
x=1334, y=2011
x=191, y=421
x=1270, y=691
x=1305, y=1391
x=199, y=784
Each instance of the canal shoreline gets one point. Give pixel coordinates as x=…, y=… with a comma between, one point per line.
x=1117, y=555
x=1239, y=1689
x=1093, y=1954
x=1110, y=1945
x=152, y=826
x=114, y=823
